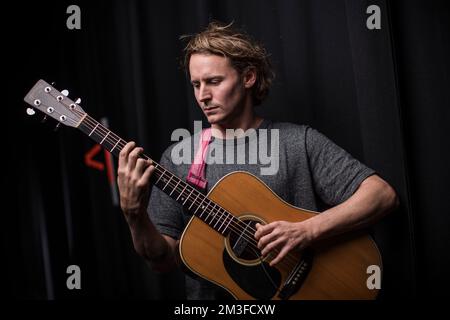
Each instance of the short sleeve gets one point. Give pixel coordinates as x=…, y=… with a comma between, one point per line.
x=336, y=174
x=165, y=212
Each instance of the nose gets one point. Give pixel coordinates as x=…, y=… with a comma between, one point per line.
x=205, y=94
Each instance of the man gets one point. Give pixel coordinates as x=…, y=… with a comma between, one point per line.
x=230, y=75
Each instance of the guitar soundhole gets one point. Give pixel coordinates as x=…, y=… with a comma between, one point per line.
x=242, y=241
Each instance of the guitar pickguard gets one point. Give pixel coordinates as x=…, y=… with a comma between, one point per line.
x=259, y=280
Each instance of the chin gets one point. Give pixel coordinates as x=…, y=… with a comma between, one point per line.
x=215, y=119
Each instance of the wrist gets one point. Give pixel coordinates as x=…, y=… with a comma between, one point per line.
x=136, y=218
x=315, y=228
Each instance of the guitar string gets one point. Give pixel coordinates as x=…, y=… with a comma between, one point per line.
x=223, y=215
x=210, y=212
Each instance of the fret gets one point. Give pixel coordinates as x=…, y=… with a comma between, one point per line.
x=207, y=205
x=226, y=218
x=160, y=176
x=226, y=227
x=188, y=196
x=204, y=198
x=218, y=219
x=100, y=134
x=170, y=194
x=105, y=137
x=193, y=201
x=205, y=211
x=167, y=183
x=181, y=193
x=215, y=213
x=93, y=129
x=115, y=145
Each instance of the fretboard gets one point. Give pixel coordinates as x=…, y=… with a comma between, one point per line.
x=189, y=197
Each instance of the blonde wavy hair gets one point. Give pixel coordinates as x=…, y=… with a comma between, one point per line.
x=244, y=53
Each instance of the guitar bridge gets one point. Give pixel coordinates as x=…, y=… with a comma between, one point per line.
x=298, y=275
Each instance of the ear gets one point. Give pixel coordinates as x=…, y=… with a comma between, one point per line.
x=249, y=77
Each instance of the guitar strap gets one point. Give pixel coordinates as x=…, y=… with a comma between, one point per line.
x=196, y=174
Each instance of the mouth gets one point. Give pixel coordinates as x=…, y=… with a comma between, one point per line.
x=210, y=109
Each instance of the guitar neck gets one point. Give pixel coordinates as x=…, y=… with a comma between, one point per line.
x=57, y=105
x=190, y=198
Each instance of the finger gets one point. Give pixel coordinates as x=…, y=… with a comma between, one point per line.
x=144, y=180
x=263, y=230
x=141, y=165
x=123, y=155
x=272, y=246
x=280, y=256
x=257, y=226
x=133, y=156
x=265, y=240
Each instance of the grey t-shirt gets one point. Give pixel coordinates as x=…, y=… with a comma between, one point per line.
x=313, y=172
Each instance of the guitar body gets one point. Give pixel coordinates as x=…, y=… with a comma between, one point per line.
x=333, y=269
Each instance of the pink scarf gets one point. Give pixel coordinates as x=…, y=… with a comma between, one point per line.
x=196, y=174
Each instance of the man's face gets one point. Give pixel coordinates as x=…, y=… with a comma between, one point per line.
x=218, y=87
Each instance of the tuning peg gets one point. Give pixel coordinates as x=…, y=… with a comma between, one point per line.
x=57, y=126
x=65, y=92
x=78, y=101
x=44, y=119
x=30, y=111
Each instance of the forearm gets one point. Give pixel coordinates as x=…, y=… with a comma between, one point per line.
x=373, y=199
x=157, y=249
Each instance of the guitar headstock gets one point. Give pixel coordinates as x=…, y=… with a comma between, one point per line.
x=54, y=104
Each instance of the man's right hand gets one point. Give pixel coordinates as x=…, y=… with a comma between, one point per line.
x=133, y=179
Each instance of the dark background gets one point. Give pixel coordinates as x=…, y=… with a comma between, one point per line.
x=383, y=95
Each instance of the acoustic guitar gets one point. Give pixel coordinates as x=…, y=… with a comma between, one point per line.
x=218, y=243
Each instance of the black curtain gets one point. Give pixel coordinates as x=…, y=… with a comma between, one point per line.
x=381, y=94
